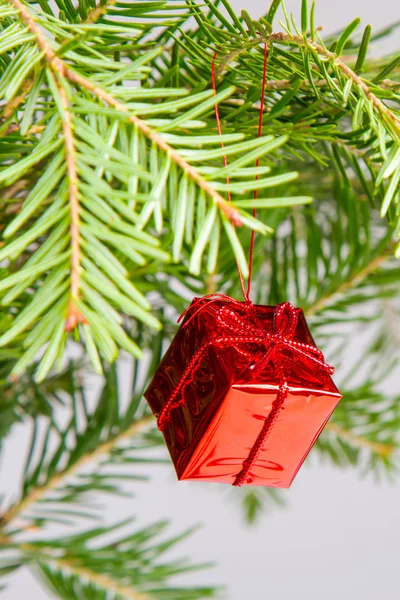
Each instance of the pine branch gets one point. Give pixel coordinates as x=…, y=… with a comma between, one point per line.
x=354, y=280
x=128, y=567
x=98, y=580
x=54, y=482
x=345, y=96
x=231, y=213
x=287, y=84
x=289, y=38
x=110, y=170
x=62, y=68
x=344, y=68
x=359, y=441
x=363, y=430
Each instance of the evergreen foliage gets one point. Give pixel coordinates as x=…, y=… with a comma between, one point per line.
x=115, y=213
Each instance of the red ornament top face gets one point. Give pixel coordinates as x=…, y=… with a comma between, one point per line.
x=242, y=393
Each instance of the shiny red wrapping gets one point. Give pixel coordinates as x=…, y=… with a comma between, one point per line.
x=230, y=392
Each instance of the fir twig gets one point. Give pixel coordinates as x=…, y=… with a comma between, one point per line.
x=355, y=279
x=62, y=68
x=98, y=580
x=382, y=450
x=102, y=449
x=281, y=37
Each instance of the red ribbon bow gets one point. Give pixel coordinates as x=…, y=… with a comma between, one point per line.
x=236, y=330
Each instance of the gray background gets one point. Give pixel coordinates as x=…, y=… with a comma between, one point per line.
x=338, y=538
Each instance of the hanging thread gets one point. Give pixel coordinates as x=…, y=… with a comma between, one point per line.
x=246, y=293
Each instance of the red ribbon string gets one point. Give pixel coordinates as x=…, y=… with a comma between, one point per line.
x=246, y=293
x=260, y=124
x=214, y=87
x=258, y=445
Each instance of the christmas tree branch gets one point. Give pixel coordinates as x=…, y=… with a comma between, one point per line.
x=64, y=70
x=287, y=84
x=73, y=317
x=231, y=213
x=383, y=450
x=103, y=449
x=352, y=281
x=98, y=580
x=343, y=67
x=308, y=44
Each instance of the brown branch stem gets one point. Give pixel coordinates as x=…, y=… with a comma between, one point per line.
x=286, y=84
x=73, y=316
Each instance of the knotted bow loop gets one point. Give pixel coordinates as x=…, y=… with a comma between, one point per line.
x=204, y=303
x=285, y=320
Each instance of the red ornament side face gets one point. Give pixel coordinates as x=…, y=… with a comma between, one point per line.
x=229, y=395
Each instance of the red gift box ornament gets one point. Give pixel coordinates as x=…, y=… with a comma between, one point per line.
x=243, y=392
